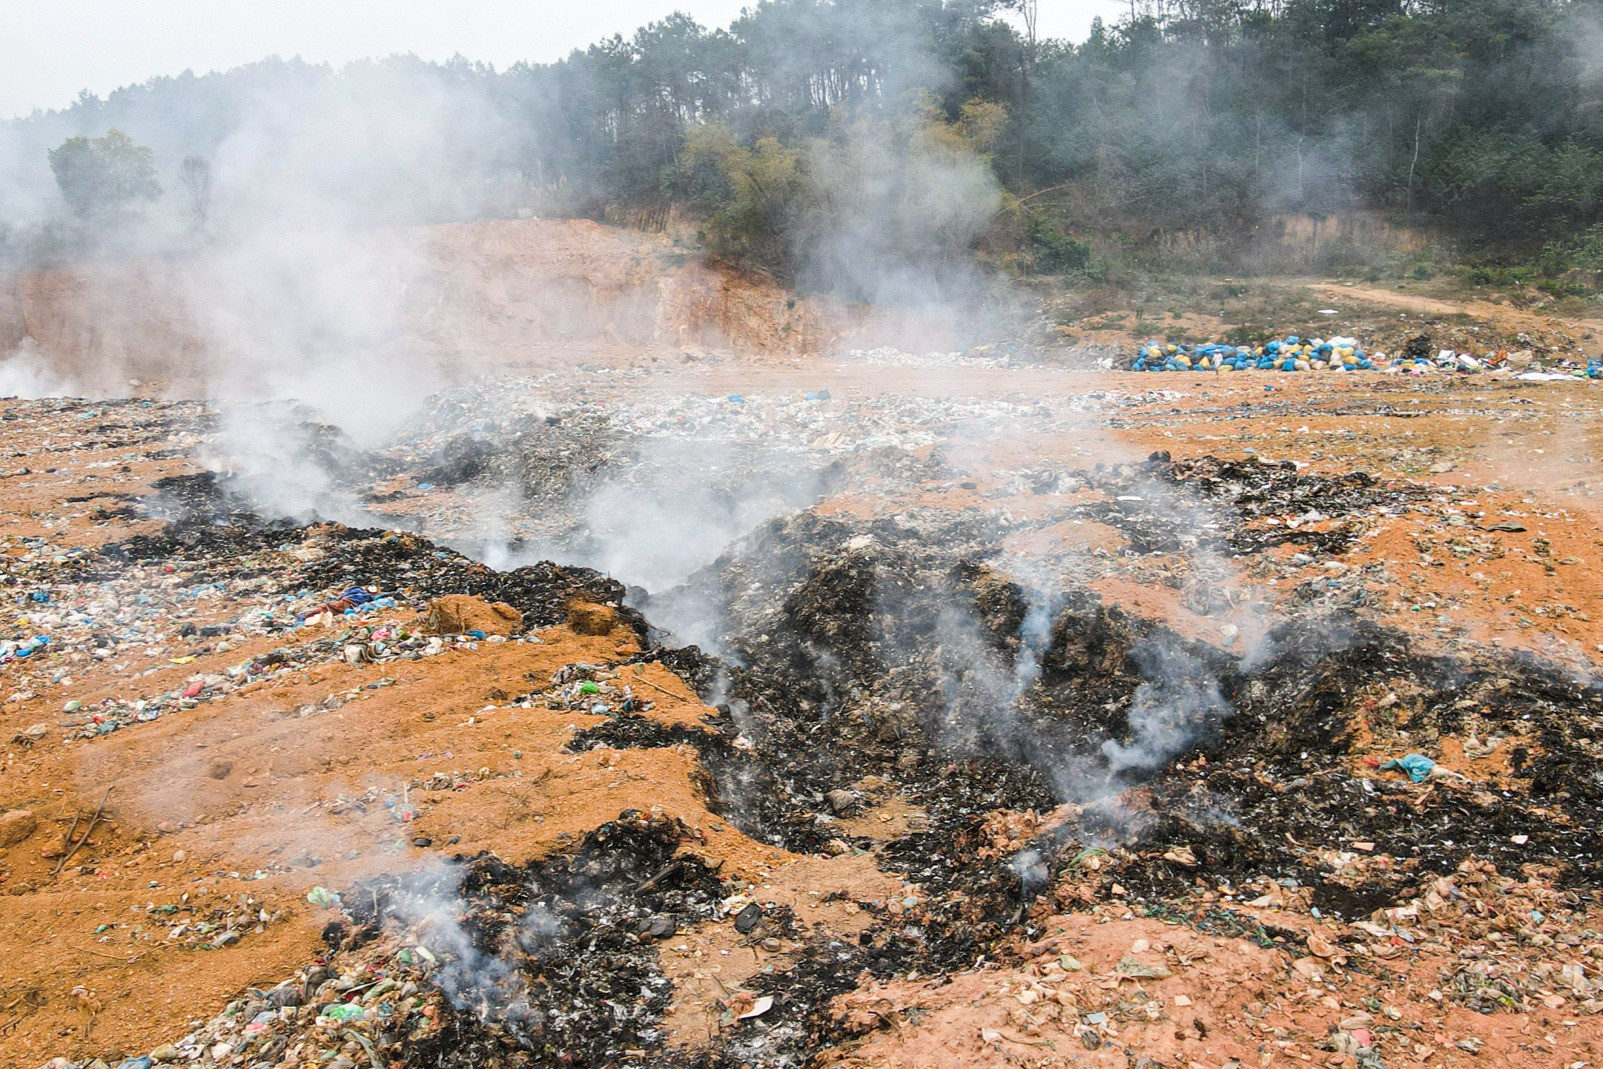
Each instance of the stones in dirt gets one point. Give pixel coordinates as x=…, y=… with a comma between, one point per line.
x=841, y=801
x=457, y=614
x=659, y=927
x=16, y=826
x=588, y=618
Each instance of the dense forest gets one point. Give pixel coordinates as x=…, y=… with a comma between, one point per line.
x=812, y=137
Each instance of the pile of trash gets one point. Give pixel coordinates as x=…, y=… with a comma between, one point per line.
x=335, y=1015
x=1295, y=353
x=366, y=643
x=570, y=475
x=552, y=438
x=586, y=688
x=1291, y=353
x=149, y=619
x=1469, y=364
x=988, y=357
x=153, y=604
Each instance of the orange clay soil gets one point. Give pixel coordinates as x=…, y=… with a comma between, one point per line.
x=1185, y=998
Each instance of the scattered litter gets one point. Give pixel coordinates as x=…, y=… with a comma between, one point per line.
x=758, y=1007
x=1418, y=766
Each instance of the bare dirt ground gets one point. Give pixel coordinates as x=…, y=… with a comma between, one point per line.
x=158, y=873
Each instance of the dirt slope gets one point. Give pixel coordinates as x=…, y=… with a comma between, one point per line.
x=457, y=297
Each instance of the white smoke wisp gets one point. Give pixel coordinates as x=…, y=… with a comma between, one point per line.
x=1232, y=600
x=308, y=280
x=388, y=141
x=982, y=682
x=1031, y=868
x=894, y=213
x=1035, y=634
x=990, y=705
x=1177, y=705
x=483, y=983
x=497, y=509
x=27, y=374
x=269, y=457
x=660, y=521
x=315, y=316
x=301, y=328
x=980, y=691
x=657, y=522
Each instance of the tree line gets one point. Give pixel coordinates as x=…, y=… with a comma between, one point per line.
x=1481, y=120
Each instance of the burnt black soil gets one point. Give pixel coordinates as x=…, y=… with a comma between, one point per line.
x=556, y=963
x=739, y=785
x=1209, y=505
x=553, y=963
x=901, y=651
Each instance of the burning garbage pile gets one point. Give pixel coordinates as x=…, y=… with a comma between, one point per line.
x=961, y=750
x=905, y=658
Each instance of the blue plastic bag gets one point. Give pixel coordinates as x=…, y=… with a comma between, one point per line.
x=1418, y=766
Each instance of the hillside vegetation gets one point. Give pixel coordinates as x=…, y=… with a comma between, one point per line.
x=869, y=146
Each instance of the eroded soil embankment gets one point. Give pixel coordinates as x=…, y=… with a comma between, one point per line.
x=449, y=299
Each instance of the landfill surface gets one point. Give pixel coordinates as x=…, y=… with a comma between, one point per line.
x=888, y=709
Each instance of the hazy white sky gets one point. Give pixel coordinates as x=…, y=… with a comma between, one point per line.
x=57, y=47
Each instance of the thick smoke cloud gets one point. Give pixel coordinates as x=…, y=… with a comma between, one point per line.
x=895, y=214
x=27, y=373
x=301, y=286
x=315, y=316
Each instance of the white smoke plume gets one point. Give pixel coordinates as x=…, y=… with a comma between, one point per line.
x=28, y=374
x=1176, y=705
x=429, y=902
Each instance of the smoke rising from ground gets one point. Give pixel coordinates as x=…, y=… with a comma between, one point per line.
x=27, y=373
x=672, y=514
x=990, y=707
x=893, y=208
x=312, y=317
x=474, y=980
x=1177, y=705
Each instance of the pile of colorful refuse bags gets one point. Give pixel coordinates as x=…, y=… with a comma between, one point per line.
x=1294, y=353
x=1291, y=353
